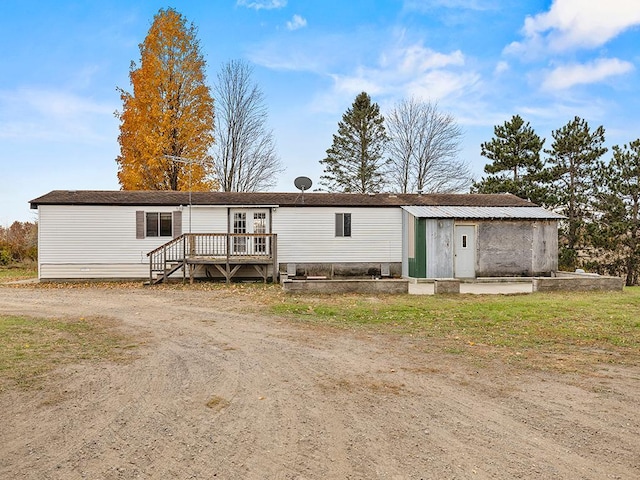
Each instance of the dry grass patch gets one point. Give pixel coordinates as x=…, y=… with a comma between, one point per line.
x=22, y=271
x=217, y=403
x=31, y=348
x=568, y=331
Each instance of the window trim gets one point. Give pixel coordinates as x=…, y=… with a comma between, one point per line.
x=164, y=224
x=343, y=224
x=157, y=224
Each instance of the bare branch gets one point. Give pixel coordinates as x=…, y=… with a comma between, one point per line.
x=245, y=153
x=424, y=149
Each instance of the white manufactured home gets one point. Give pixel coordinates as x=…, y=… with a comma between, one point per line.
x=155, y=234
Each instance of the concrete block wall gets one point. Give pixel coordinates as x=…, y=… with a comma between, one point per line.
x=446, y=285
x=577, y=283
x=390, y=286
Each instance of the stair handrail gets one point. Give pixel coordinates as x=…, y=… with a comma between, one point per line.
x=165, y=245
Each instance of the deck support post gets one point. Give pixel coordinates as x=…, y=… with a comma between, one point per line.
x=228, y=255
x=227, y=274
x=184, y=261
x=263, y=270
x=274, y=253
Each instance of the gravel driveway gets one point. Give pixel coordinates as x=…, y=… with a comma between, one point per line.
x=223, y=390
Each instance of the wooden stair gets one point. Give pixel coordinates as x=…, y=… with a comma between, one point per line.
x=162, y=276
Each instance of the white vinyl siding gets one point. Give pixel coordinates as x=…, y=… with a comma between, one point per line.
x=307, y=235
x=65, y=271
x=205, y=220
x=93, y=235
x=78, y=241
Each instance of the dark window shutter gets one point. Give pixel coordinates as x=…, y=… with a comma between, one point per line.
x=177, y=223
x=139, y=224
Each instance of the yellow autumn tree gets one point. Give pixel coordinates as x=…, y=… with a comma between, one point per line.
x=169, y=114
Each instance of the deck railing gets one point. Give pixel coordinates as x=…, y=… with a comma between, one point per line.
x=231, y=247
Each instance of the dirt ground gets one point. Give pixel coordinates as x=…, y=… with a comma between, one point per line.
x=221, y=390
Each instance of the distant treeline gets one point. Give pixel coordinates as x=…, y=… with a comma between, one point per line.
x=18, y=243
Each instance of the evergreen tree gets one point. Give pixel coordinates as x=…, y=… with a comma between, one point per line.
x=617, y=233
x=572, y=160
x=355, y=162
x=516, y=165
x=170, y=112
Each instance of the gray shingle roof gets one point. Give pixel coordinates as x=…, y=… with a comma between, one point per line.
x=169, y=198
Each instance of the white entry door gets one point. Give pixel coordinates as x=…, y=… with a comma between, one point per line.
x=250, y=222
x=465, y=251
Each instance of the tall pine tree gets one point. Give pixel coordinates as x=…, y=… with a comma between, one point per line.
x=516, y=165
x=170, y=112
x=355, y=162
x=570, y=170
x=617, y=232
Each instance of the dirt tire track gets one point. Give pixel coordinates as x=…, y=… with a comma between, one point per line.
x=295, y=402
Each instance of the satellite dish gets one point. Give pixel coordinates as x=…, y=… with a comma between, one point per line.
x=303, y=183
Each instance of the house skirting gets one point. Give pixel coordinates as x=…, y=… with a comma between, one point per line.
x=342, y=269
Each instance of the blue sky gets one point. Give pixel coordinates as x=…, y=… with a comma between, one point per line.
x=481, y=60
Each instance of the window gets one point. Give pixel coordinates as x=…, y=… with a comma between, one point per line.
x=260, y=226
x=464, y=241
x=159, y=224
x=239, y=226
x=155, y=224
x=343, y=224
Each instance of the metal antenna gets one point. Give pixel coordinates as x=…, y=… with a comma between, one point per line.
x=190, y=162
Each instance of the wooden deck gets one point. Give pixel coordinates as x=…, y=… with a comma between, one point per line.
x=227, y=252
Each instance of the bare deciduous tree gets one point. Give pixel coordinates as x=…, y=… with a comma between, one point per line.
x=244, y=151
x=423, y=148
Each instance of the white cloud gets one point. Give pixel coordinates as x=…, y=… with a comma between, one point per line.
x=318, y=54
x=296, y=22
x=412, y=69
x=387, y=70
x=48, y=114
x=416, y=58
x=262, y=4
x=567, y=76
x=441, y=84
x=573, y=24
x=501, y=67
x=358, y=82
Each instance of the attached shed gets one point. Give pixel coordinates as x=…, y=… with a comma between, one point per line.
x=479, y=241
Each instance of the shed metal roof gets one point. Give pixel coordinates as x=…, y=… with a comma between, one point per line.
x=463, y=212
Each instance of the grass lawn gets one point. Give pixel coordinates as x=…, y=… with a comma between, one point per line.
x=30, y=348
x=18, y=272
x=549, y=329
